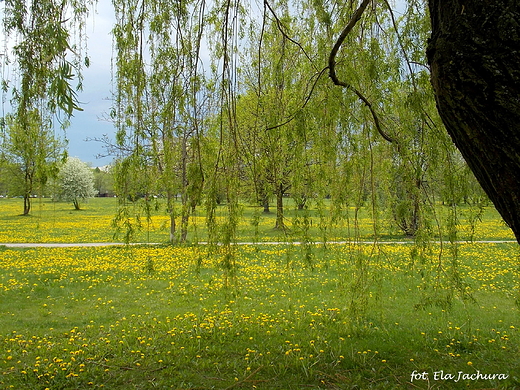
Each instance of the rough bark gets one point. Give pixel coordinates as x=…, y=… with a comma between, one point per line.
x=474, y=54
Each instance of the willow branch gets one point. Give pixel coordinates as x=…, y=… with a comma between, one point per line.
x=348, y=28
x=281, y=28
x=332, y=68
x=401, y=46
x=307, y=99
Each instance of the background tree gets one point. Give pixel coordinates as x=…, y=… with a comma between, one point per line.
x=75, y=182
x=273, y=125
x=104, y=181
x=32, y=154
x=4, y=179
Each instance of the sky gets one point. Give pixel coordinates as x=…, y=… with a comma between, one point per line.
x=95, y=97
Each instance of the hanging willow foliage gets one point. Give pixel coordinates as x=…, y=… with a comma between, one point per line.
x=158, y=80
x=384, y=59
x=264, y=124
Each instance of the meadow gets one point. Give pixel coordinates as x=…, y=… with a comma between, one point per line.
x=340, y=316
x=58, y=222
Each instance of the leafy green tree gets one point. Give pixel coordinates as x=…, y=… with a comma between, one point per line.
x=75, y=182
x=104, y=181
x=273, y=132
x=33, y=154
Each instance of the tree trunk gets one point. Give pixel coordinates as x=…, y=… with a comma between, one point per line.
x=28, y=187
x=171, y=212
x=262, y=197
x=184, y=225
x=26, y=204
x=474, y=54
x=184, y=192
x=265, y=204
x=279, y=208
x=301, y=202
x=172, y=227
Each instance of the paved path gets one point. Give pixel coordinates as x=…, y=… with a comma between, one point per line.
x=103, y=244
x=66, y=244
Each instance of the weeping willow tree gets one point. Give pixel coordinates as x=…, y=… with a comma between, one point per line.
x=45, y=50
x=158, y=82
x=376, y=143
x=273, y=132
x=265, y=122
x=384, y=139
x=399, y=97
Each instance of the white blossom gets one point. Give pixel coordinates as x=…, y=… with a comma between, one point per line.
x=76, y=182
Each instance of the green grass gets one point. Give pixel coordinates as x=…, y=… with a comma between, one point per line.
x=351, y=316
x=59, y=222
x=167, y=317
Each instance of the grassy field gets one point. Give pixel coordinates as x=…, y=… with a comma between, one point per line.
x=59, y=222
x=285, y=317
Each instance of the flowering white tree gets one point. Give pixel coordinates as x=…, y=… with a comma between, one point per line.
x=76, y=182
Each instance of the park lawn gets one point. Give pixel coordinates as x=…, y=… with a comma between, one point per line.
x=51, y=222
x=58, y=222
x=285, y=317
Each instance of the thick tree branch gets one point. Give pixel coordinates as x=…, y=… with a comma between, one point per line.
x=348, y=28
